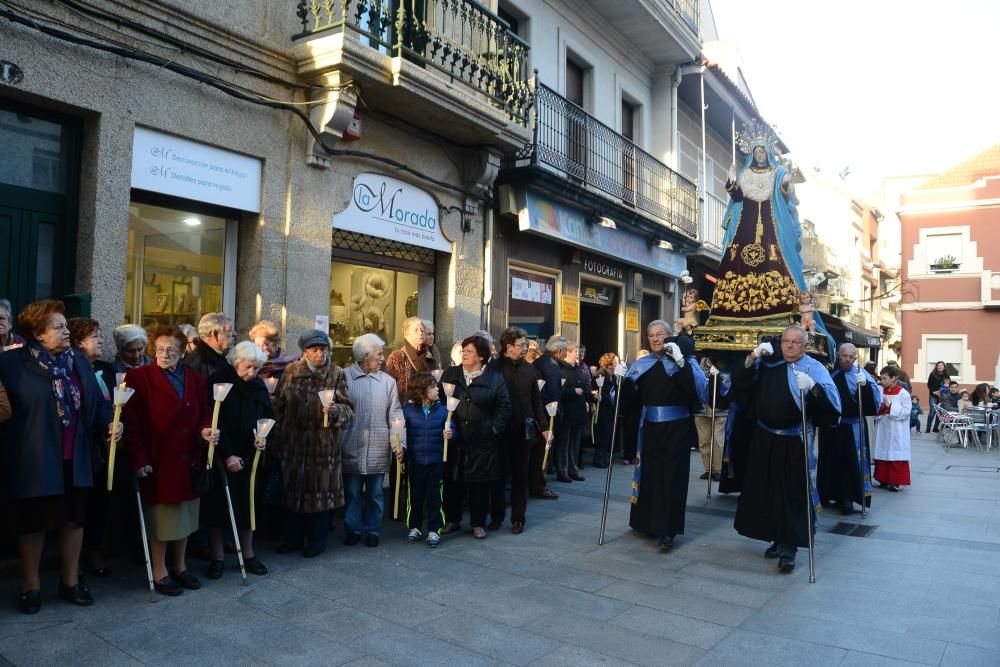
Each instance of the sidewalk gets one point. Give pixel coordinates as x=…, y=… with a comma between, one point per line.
x=922, y=588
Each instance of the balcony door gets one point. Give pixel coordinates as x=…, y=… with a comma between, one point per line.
x=576, y=119
x=629, y=113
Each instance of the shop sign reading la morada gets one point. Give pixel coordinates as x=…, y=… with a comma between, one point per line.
x=391, y=209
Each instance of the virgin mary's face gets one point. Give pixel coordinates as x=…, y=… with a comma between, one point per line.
x=760, y=155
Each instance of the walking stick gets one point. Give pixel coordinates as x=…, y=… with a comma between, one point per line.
x=809, y=509
x=142, y=528
x=711, y=448
x=861, y=448
x=611, y=464
x=397, y=427
x=232, y=521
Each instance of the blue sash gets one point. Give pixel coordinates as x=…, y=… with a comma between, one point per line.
x=657, y=414
x=794, y=431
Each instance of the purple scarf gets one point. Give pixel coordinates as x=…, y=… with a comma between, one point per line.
x=59, y=368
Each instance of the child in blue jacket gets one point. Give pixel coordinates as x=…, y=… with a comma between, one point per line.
x=426, y=419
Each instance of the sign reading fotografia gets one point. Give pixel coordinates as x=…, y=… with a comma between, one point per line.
x=171, y=165
x=391, y=209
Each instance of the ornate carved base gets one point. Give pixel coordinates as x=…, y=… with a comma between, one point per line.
x=745, y=335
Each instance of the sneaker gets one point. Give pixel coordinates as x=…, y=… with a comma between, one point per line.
x=414, y=535
x=433, y=539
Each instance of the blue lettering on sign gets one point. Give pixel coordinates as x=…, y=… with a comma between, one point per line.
x=383, y=206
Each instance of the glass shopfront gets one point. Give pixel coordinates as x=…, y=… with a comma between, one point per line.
x=176, y=264
x=532, y=302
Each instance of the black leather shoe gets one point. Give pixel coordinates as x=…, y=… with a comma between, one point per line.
x=215, y=568
x=371, y=540
x=101, y=572
x=167, y=586
x=351, y=539
x=186, y=580
x=703, y=475
x=846, y=507
x=254, y=566
x=578, y=478
x=312, y=552
x=78, y=594
x=771, y=551
x=666, y=544
x=786, y=564
x=716, y=476
x=29, y=602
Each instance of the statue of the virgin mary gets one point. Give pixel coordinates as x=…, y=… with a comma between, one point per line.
x=760, y=275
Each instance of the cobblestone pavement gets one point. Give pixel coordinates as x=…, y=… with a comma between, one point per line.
x=923, y=588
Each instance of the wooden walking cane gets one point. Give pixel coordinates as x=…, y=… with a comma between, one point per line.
x=711, y=448
x=397, y=425
x=861, y=447
x=611, y=464
x=809, y=507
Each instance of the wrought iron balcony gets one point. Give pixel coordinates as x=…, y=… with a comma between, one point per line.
x=568, y=139
x=459, y=38
x=689, y=10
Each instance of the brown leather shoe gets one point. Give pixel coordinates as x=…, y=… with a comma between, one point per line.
x=450, y=527
x=517, y=527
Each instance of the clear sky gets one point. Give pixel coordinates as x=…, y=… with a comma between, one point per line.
x=888, y=87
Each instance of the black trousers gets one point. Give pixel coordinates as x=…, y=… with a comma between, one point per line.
x=479, y=502
x=454, y=486
x=313, y=527
x=520, y=453
x=425, y=486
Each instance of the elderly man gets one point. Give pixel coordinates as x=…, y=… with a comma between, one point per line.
x=528, y=422
x=366, y=448
x=843, y=474
x=772, y=506
x=547, y=366
x=670, y=386
x=131, y=342
x=411, y=358
x=215, y=337
x=432, y=348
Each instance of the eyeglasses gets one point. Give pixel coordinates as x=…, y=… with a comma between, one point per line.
x=167, y=351
x=792, y=342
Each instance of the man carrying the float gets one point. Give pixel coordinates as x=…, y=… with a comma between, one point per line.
x=670, y=387
x=773, y=506
x=843, y=473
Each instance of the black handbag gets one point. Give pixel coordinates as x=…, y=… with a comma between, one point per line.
x=202, y=479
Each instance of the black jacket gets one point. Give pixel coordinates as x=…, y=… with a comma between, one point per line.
x=482, y=416
x=525, y=398
x=548, y=368
x=206, y=361
x=573, y=407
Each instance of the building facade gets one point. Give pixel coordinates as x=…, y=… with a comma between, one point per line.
x=271, y=160
x=951, y=273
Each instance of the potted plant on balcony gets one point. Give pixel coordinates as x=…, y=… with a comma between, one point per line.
x=945, y=264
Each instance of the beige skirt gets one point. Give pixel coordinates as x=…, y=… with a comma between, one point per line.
x=174, y=521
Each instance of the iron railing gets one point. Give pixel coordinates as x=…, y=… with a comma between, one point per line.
x=459, y=38
x=690, y=11
x=712, y=211
x=572, y=141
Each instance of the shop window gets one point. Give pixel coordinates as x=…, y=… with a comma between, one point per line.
x=176, y=264
x=531, y=299
x=367, y=299
x=34, y=152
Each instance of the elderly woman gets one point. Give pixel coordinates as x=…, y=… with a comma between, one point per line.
x=432, y=349
x=131, y=341
x=246, y=402
x=85, y=337
x=166, y=420
x=482, y=414
x=9, y=339
x=412, y=358
x=573, y=398
x=366, y=443
x=308, y=449
x=606, y=397
x=46, y=459
x=265, y=335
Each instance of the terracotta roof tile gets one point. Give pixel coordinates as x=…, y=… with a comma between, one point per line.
x=981, y=165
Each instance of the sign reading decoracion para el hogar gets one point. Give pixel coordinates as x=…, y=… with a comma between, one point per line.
x=176, y=166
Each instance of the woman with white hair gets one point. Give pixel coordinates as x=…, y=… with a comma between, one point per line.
x=366, y=447
x=246, y=402
x=131, y=342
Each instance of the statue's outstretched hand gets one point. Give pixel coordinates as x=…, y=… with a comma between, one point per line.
x=732, y=173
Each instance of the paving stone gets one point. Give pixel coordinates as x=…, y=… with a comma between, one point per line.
x=858, y=659
x=959, y=655
x=500, y=606
x=865, y=640
x=512, y=645
x=590, y=605
x=683, y=604
x=614, y=640
x=574, y=656
x=723, y=591
x=675, y=627
x=751, y=648
x=408, y=647
x=962, y=631
x=62, y=644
